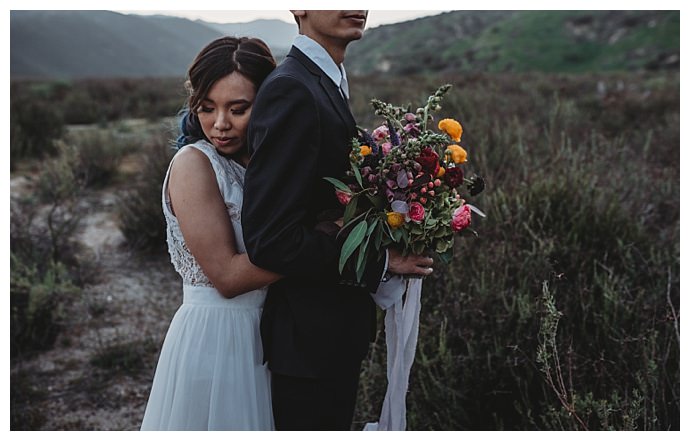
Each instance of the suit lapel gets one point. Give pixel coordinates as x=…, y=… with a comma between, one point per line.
x=331, y=90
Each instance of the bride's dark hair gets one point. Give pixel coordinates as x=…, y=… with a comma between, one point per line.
x=248, y=56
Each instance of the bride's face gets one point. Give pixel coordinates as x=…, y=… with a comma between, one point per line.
x=224, y=114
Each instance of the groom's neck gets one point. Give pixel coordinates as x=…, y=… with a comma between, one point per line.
x=335, y=48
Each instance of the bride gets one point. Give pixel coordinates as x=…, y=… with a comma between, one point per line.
x=210, y=374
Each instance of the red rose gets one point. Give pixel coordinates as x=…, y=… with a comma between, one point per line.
x=453, y=177
x=416, y=212
x=428, y=159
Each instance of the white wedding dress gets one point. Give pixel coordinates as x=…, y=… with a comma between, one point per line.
x=210, y=374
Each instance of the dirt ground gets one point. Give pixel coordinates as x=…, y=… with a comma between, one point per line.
x=98, y=374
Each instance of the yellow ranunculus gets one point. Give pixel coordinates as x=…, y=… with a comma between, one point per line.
x=364, y=150
x=452, y=128
x=395, y=219
x=441, y=172
x=457, y=154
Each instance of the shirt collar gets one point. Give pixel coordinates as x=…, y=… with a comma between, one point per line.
x=316, y=53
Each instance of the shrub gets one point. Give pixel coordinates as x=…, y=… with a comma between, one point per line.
x=95, y=155
x=139, y=207
x=35, y=126
x=129, y=357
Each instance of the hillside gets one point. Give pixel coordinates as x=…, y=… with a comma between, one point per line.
x=522, y=41
x=276, y=33
x=82, y=44
x=78, y=44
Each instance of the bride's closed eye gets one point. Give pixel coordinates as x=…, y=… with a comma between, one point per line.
x=240, y=110
x=205, y=109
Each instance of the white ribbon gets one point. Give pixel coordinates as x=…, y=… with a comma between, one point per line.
x=402, y=329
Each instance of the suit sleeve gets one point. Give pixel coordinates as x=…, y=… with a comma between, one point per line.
x=284, y=139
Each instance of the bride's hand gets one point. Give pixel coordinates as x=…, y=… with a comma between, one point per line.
x=412, y=264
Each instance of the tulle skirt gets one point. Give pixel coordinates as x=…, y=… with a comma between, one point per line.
x=210, y=374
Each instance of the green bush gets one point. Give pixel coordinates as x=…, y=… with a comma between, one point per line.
x=140, y=208
x=97, y=101
x=45, y=270
x=95, y=155
x=35, y=126
x=37, y=299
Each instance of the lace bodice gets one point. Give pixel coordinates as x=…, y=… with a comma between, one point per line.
x=230, y=178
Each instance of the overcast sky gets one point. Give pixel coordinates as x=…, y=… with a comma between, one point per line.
x=376, y=17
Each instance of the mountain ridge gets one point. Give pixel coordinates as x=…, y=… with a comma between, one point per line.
x=98, y=44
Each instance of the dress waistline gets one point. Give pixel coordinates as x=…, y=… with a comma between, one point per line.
x=209, y=296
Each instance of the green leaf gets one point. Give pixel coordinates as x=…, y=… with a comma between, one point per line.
x=378, y=235
x=350, y=209
x=364, y=248
x=347, y=225
x=340, y=185
x=446, y=257
x=396, y=234
x=351, y=243
x=361, y=265
x=377, y=201
x=358, y=175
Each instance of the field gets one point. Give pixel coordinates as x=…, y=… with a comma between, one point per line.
x=562, y=314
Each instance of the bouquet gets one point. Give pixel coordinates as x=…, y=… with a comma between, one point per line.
x=406, y=185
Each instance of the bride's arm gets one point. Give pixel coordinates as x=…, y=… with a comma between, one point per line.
x=206, y=228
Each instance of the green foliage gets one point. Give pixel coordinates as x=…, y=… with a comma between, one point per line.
x=94, y=156
x=94, y=101
x=37, y=299
x=139, y=207
x=35, y=124
x=583, y=206
x=522, y=41
x=42, y=253
x=130, y=357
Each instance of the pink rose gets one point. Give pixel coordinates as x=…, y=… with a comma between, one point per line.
x=462, y=218
x=386, y=147
x=343, y=197
x=380, y=133
x=416, y=212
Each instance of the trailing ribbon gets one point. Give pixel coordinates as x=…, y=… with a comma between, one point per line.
x=402, y=329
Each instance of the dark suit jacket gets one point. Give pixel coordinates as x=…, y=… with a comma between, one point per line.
x=314, y=323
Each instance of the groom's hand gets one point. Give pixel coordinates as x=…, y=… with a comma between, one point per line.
x=412, y=264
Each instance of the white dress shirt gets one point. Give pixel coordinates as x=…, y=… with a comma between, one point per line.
x=316, y=53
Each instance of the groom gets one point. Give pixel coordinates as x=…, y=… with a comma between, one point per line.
x=316, y=326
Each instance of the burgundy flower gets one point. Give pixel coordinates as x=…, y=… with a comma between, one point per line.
x=453, y=177
x=428, y=159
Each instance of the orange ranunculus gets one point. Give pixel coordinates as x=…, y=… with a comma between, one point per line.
x=452, y=128
x=441, y=172
x=395, y=219
x=364, y=150
x=457, y=154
